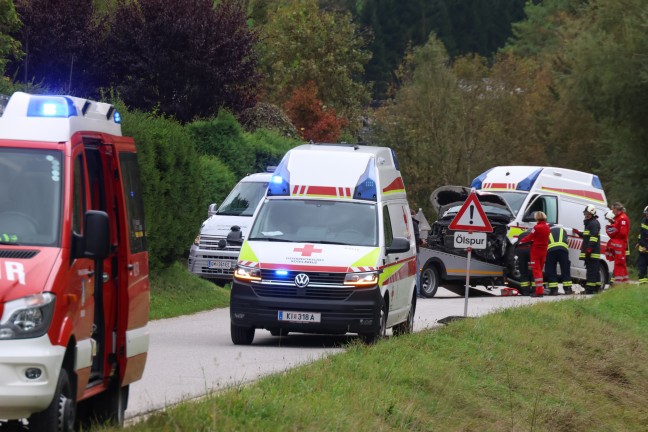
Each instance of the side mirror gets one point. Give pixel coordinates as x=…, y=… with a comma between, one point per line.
x=211, y=211
x=528, y=218
x=235, y=236
x=96, y=241
x=399, y=245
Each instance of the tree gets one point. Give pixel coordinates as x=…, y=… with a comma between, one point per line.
x=314, y=121
x=301, y=43
x=187, y=58
x=609, y=77
x=58, y=50
x=9, y=24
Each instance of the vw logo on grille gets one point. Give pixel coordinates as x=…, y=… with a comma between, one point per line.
x=301, y=280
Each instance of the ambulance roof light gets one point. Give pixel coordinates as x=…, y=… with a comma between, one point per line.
x=51, y=106
x=117, y=117
x=280, y=182
x=366, y=187
x=479, y=180
x=527, y=183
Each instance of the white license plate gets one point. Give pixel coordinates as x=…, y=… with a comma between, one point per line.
x=304, y=317
x=220, y=264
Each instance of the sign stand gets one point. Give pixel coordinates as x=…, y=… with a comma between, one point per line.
x=467, y=282
x=471, y=218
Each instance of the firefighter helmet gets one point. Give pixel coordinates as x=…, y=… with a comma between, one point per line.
x=609, y=215
x=590, y=209
x=646, y=209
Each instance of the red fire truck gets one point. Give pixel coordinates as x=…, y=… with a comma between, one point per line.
x=74, y=288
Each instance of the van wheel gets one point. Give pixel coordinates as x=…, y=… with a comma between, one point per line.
x=241, y=335
x=381, y=331
x=429, y=281
x=408, y=325
x=60, y=415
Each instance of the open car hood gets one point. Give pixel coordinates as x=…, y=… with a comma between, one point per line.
x=446, y=197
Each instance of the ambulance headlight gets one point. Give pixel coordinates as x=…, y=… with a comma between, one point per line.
x=197, y=240
x=27, y=317
x=362, y=279
x=247, y=274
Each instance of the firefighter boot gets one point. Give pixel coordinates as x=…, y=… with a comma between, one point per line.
x=568, y=290
x=553, y=291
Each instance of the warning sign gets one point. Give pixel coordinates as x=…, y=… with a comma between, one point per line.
x=471, y=217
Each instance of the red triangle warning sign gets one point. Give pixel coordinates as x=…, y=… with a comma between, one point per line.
x=471, y=217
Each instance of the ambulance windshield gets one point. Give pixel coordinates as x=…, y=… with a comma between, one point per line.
x=513, y=199
x=317, y=221
x=30, y=196
x=243, y=199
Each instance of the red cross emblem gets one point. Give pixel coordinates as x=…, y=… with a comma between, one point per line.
x=307, y=250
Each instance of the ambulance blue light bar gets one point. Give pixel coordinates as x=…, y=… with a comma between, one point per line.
x=51, y=106
x=477, y=183
x=366, y=187
x=527, y=183
x=117, y=117
x=280, y=181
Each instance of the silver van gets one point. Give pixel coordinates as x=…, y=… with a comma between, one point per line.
x=215, y=251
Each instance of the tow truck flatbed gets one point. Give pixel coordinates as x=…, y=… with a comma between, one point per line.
x=449, y=271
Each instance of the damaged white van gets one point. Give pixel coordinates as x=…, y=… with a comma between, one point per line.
x=510, y=195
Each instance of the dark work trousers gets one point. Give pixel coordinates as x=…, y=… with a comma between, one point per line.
x=642, y=265
x=557, y=257
x=593, y=281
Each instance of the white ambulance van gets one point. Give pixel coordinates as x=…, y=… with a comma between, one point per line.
x=331, y=249
x=562, y=194
x=216, y=249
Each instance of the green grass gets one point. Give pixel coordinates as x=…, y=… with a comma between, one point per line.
x=574, y=365
x=175, y=291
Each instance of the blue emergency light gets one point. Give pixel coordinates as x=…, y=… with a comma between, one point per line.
x=280, y=181
x=527, y=183
x=366, y=187
x=117, y=117
x=51, y=106
x=281, y=272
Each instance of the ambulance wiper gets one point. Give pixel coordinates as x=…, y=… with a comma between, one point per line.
x=9, y=243
x=320, y=242
x=270, y=239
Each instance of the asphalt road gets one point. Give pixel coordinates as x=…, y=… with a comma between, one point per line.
x=191, y=356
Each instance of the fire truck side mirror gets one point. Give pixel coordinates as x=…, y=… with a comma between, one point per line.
x=97, y=235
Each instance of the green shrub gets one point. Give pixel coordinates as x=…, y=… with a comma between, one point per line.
x=174, y=199
x=216, y=178
x=269, y=147
x=223, y=137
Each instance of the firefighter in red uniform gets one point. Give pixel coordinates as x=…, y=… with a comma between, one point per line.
x=618, y=233
x=539, y=239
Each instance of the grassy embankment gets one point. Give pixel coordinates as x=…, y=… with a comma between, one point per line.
x=175, y=292
x=573, y=365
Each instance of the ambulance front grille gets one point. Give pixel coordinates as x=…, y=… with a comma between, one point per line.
x=17, y=254
x=310, y=292
x=313, y=277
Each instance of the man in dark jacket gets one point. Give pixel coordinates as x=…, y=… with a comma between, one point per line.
x=419, y=242
x=558, y=254
x=590, y=249
x=642, y=246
